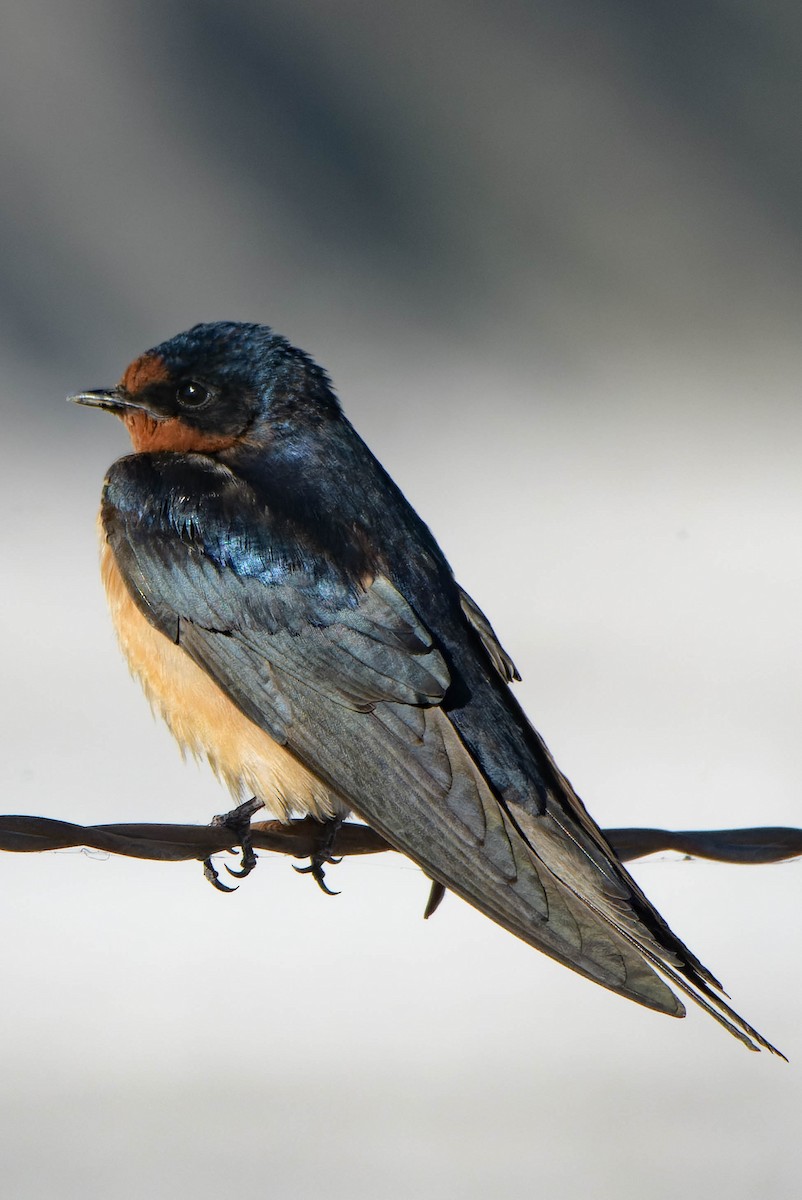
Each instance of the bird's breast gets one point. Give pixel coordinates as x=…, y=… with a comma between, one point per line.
x=201, y=717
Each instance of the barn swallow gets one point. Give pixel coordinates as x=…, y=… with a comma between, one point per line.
x=294, y=621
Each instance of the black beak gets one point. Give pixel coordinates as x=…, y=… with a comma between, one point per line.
x=111, y=399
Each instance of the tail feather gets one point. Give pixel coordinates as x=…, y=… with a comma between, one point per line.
x=566, y=858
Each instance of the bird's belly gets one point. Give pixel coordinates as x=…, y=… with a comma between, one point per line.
x=204, y=721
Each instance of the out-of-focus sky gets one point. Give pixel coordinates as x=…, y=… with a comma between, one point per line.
x=550, y=253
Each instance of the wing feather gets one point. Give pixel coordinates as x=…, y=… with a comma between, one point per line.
x=344, y=673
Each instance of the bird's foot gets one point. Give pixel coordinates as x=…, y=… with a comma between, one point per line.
x=239, y=822
x=322, y=856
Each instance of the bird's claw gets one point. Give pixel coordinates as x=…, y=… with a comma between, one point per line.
x=323, y=856
x=210, y=873
x=248, y=860
x=315, y=869
x=239, y=822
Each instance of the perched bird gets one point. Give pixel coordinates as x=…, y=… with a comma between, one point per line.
x=294, y=621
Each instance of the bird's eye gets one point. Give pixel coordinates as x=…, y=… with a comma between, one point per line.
x=191, y=394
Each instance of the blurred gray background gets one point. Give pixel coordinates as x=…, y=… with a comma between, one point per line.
x=550, y=253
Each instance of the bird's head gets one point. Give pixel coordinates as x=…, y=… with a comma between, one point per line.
x=215, y=385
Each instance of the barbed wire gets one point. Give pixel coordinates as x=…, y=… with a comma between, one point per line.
x=306, y=837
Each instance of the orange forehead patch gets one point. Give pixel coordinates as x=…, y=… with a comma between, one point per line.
x=143, y=373
x=149, y=434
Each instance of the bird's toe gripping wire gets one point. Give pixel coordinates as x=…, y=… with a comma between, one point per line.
x=322, y=856
x=239, y=822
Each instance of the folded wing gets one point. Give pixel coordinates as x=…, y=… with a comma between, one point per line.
x=341, y=670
